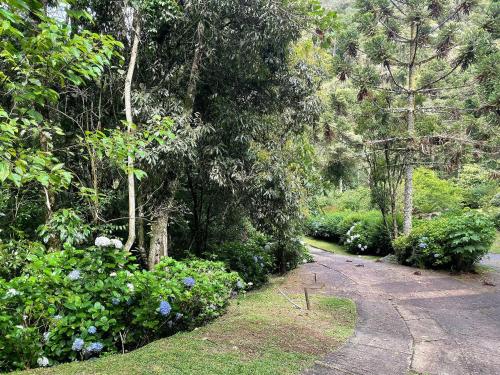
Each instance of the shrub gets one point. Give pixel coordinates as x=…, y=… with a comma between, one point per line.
x=76, y=304
x=433, y=193
x=326, y=226
x=252, y=260
x=455, y=242
x=478, y=188
x=361, y=232
x=289, y=252
x=366, y=234
x=358, y=199
x=15, y=255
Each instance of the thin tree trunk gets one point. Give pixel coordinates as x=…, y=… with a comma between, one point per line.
x=408, y=189
x=195, y=70
x=128, y=114
x=141, y=237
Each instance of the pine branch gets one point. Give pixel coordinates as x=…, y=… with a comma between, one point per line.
x=440, y=78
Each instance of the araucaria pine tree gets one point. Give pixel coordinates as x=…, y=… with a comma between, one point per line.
x=412, y=59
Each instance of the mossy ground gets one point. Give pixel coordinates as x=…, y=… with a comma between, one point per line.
x=262, y=333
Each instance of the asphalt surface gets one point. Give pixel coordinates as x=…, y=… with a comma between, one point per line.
x=410, y=321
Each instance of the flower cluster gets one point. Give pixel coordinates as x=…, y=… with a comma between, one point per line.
x=77, y=345
x=12, y=292
x=92, y=330
x=423, y=243
x=189, y=282
x=107, y=242
x=164, y=308
x=74, y=275
x=42, y=361
x=352, y=237
x=362, y=247
x=95, y=347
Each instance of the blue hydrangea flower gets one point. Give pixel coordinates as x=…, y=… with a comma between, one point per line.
x=95, y=347
x=115, y=301
x=77, y=345
x=189, y=282
x=422, y=245
x=92, y=330
x=74, y=275
x=164, y=308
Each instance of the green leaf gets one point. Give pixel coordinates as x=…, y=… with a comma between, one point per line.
x=4, y=171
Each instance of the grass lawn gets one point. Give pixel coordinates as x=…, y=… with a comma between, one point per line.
x=262, y=333
x=495, y=248
x=333, y=248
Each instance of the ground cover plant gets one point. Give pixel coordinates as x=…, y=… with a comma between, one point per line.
x=262, y=333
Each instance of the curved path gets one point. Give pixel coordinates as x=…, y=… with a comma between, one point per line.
x=409, y=322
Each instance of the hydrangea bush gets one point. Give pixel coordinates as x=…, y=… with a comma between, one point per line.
x=75, y=304
x=455, y=241
x=360, y=232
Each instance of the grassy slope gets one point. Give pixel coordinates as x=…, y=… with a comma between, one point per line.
x=261, y=334
x=333, y=248
x=495, y=248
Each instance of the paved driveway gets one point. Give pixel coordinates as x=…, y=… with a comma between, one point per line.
x=427, y=322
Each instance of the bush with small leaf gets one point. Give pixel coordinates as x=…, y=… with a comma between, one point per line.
x=455, y=241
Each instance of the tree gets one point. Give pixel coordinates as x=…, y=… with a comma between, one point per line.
x=41, y=57
x=408, y=58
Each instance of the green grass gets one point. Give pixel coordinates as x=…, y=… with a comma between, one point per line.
x=262, y=333
x=495, y=248
x=333, y=248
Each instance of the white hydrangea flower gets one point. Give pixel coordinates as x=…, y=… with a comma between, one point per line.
x=46, y=336
x=112, y=274
x=117, y=243
x=130, y=287
x=74, y=275
x=103, y=241
x=359, y=246
x=11, y=292
x=42, y=361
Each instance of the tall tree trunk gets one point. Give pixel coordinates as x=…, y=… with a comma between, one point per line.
x=408, y=190
x=130, y=129
x=159, y=239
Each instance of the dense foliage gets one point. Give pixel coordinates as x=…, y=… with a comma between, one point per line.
x=78, y=303
x=433, y=194
x=362, y=232
x=210, y=129
x=454, y=241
